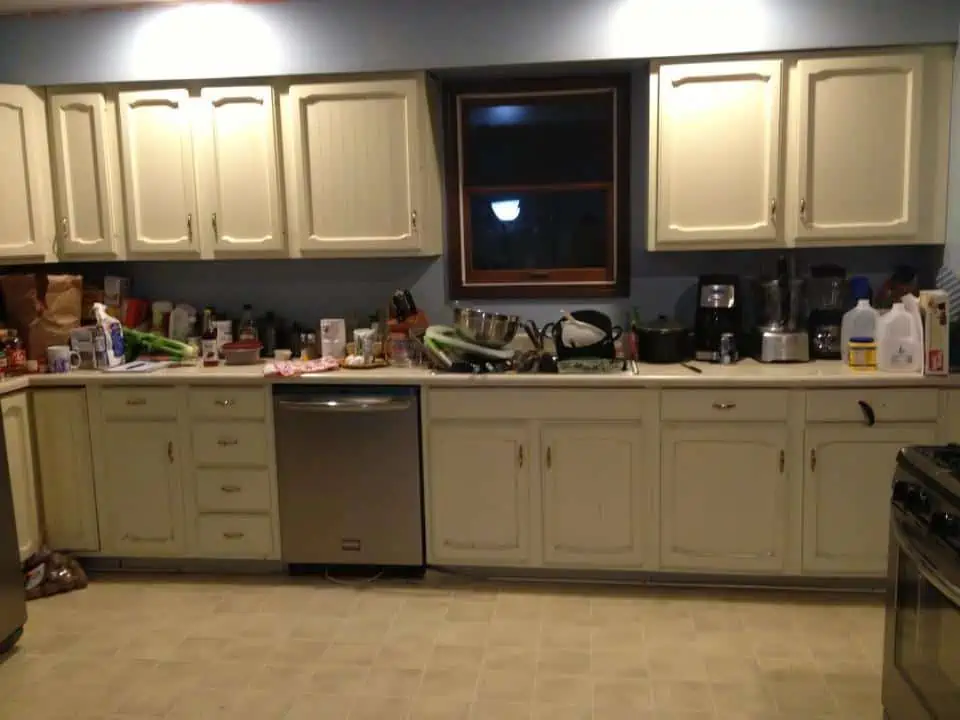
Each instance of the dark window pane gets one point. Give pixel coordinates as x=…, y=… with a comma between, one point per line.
x=539, y=229
x=538, y=140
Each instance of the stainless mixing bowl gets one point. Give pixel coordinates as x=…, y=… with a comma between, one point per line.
x=492, y=330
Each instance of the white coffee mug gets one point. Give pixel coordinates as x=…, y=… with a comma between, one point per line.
x=61, y=359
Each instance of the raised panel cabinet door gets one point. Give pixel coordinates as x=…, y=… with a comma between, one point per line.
x=357, y=150
x=86, y=224
x=25, y=209
x=158, y=171
x=242, y=189
x=593, y=495
x=16, y=431
x=718, y=161
x=723, y=497
x=846, y=494
x=62, y=435
x=479, y=493
x=859, y=146
x=145, y=502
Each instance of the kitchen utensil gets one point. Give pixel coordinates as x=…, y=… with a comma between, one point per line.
x=692, y=368
x=533, y=332
x=492, y=330
x=663, y=341
x=242, y=352
x=400, y=301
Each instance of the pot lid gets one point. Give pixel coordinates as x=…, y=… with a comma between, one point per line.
x=662, y=324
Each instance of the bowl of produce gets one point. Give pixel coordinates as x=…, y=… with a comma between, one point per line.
x=242, y=352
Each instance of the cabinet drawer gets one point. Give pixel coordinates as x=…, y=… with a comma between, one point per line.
x=498, y=403
x=239, y=490
x=718, y=404
x=239, y=443
x=249, y=536
x=228, y=403
x=888, y=405
x=140, y=402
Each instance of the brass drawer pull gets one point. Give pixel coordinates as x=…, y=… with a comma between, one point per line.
x=230, y=488
x=233, y=535
x=226, y=442
x=223, y=403
x=724, y=406
x=136, y=401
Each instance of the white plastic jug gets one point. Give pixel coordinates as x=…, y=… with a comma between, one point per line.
x=900, y=341
x=859, y=322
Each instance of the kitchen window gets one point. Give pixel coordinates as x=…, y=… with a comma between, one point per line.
x=537, y=179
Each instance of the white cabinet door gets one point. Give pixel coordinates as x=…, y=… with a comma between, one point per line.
x=479, y=493
x=16, y=431
x=858, y=130
x=356, y=147
x=723, y=497
x=592, y=493
x=158, y=171
x=846, y=494
x=62, y=434
x=26, y=208
x=717, y=164
x=83, y=161
x=240, y=192
x=144, y=501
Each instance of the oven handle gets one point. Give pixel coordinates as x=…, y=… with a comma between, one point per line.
x=924, y=567
x=346, y=404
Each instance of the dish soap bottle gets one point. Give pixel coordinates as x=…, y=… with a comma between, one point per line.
x=900, y=341
x=859, y=322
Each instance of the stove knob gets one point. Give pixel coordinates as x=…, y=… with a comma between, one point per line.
x=945, y=526
x=901, y=492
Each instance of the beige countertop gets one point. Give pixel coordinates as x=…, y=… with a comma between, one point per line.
x=747, y=373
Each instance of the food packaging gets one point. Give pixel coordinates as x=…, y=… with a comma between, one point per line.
x=333, y=337
x=112, y=334
x=115, y=290
x=935, y=311
x=43, y=309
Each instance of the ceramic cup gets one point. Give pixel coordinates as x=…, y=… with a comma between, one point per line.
x=61, y=359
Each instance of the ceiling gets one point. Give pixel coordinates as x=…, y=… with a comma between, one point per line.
x=23, y=6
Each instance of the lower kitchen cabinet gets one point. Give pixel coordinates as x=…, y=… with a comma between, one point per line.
x=723, y=497
x=592, y=494
x=62, y=434
x=141, y=490
x=478, y=509
x=16, y=432
x=846, y=495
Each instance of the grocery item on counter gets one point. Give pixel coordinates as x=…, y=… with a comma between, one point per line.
x=182, y=319
x=160, y=317
x=42, y=308
x=900, y=338
x=862, y=354
x=209, y=352
x=333, y=337
x=242, y=352
x=269, y=330
x=113, y=336
x=935, y=311
x=400, y=351
x=300, y=367
x=858, y=322
x=115, y=290
x=224, y=334
x=16, y=354
x=363, y=342
x=145, y=343
x=247, y=329
x=282, y=355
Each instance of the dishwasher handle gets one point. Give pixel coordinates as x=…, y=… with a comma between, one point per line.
x=358, y=404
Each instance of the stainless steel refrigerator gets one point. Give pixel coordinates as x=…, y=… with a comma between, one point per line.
x=13, y=603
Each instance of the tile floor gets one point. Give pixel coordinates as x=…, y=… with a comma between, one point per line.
x=180, y=647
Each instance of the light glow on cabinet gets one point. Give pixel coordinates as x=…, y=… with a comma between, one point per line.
x=218, y=36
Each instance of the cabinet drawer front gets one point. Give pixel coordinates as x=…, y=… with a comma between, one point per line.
x=240, y=490
x=717, y=404
x=228, y=403
x=888, y=405
x=139, y=402
x=239, y=443
x=501, y=403
x=248, y=536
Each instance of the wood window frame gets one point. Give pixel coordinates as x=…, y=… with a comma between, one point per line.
x=611, y=281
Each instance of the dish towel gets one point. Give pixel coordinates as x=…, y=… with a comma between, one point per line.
x=948, y=277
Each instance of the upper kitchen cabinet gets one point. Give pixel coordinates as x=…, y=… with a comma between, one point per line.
x=362, y=168
x=859, y=123
x=715, y=148
x=158, y=172
x=85, y=155
x=802, y=150
x=26, y=200
x=239, y=172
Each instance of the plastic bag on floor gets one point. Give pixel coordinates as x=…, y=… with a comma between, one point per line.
x=48, y=572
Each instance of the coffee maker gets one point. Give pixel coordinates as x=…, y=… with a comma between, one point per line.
x=782, y=335
x=826, y=290
x=718, y=312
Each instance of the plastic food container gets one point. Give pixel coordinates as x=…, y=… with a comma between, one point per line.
x=243, y=352
x=862, y=354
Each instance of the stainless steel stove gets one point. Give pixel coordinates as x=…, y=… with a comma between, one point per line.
x=921, y=670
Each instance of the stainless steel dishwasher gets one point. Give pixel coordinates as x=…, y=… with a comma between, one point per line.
x=348, y=475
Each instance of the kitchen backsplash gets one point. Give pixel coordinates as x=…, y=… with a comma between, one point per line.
x=306, y=290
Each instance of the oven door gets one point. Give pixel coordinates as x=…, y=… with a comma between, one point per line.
x=921, y=667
